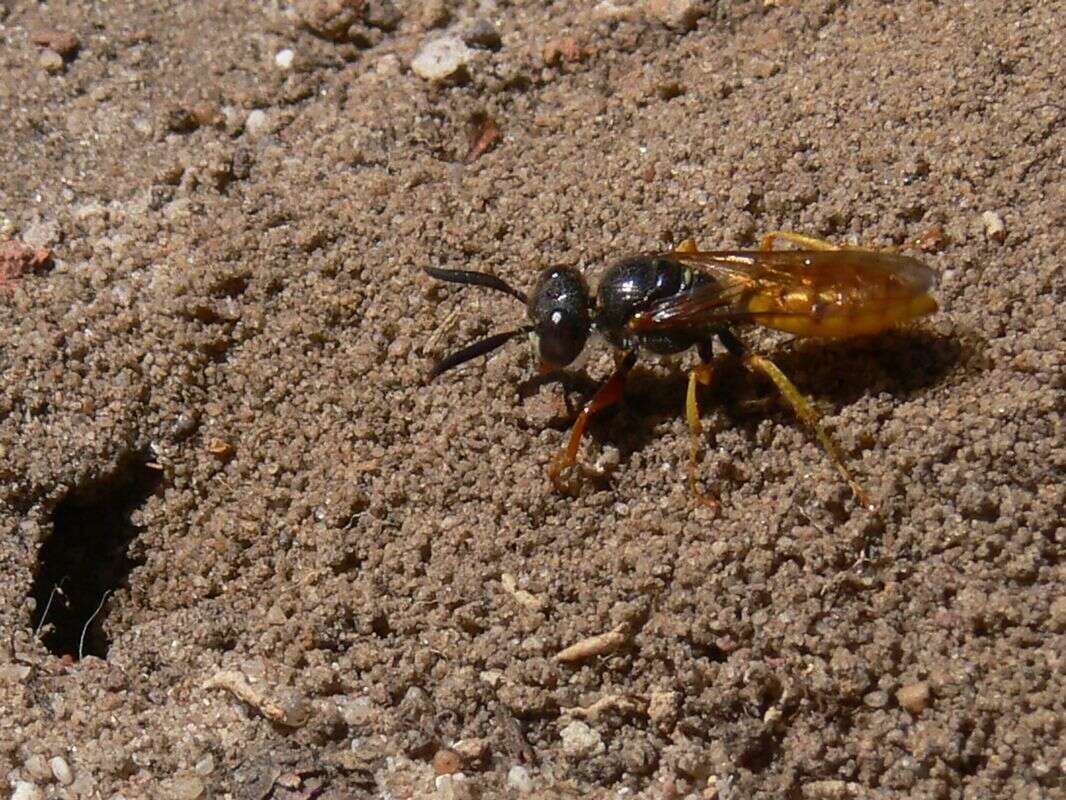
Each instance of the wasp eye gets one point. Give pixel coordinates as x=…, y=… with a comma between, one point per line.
x=561, y=337
x=559, y=310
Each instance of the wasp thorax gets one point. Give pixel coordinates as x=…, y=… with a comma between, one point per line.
x=559, y=311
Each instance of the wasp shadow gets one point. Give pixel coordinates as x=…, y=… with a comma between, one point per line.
x=899, y=363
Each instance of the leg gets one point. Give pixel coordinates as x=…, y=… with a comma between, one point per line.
x=567, y=386
x=800, y=405
x=607, y=395
x=698, y=376
x=805, y=242
x=812, y=242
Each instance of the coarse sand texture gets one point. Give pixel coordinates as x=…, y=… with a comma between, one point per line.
x=247, y=551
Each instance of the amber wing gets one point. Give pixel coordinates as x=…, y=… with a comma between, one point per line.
x=832, y=293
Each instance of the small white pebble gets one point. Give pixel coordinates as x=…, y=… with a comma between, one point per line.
x=450, y=787
x=519, y=780
x=205, y=766
x=492, y=677
x=142, y=124
x=914, y=697
x=284, y=58
x=995, y=228
x=50, y=61
x=613, y=11
x=388, y=65
x=580, y=741
x=41, y=234
x=256, y=122
x=61, y=770
x=441, y=58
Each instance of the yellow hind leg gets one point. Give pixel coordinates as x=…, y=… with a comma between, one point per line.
x=804, y=242
x=805, y=411
x=801, y=406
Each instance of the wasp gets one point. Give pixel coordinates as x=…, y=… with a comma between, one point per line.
x=668, y=302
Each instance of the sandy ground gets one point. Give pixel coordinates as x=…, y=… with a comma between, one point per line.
x=292, y=570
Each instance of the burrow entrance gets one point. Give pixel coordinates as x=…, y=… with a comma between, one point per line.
x=87, y=557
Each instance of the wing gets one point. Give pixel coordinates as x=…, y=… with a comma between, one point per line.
x=832, y=293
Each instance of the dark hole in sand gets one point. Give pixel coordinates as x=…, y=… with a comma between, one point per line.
x=87, y=557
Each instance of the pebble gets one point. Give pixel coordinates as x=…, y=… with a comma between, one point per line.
x=180, y=119
x=61, y=770
x=482, y=33
x=329, y=19
x=662, y=710
x=492, y=677
x=205, y=766
x=276, y=615
x=932, y=240
x=763, y=68
x=388, y=66
x=284, y=58
x=995, y=229
x=43, y=233
x=358, y=712
x=435, y=14
x=580, y=741
x=472, y=751
x=441, y=59
x=830, y=790
x=233, y=121
x=876, y=699
x=257, y=123
x=142, y=124
x=65, y=43
x=453, y=787
x=678, y=14
x=566, y=48
x=914, y=698
x=608, y=10
x=382, y=14
x=447, y=762
x=24, y=790
x=1057, y=615
x=290, y=708
x=518, y=778
x=50, y=61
